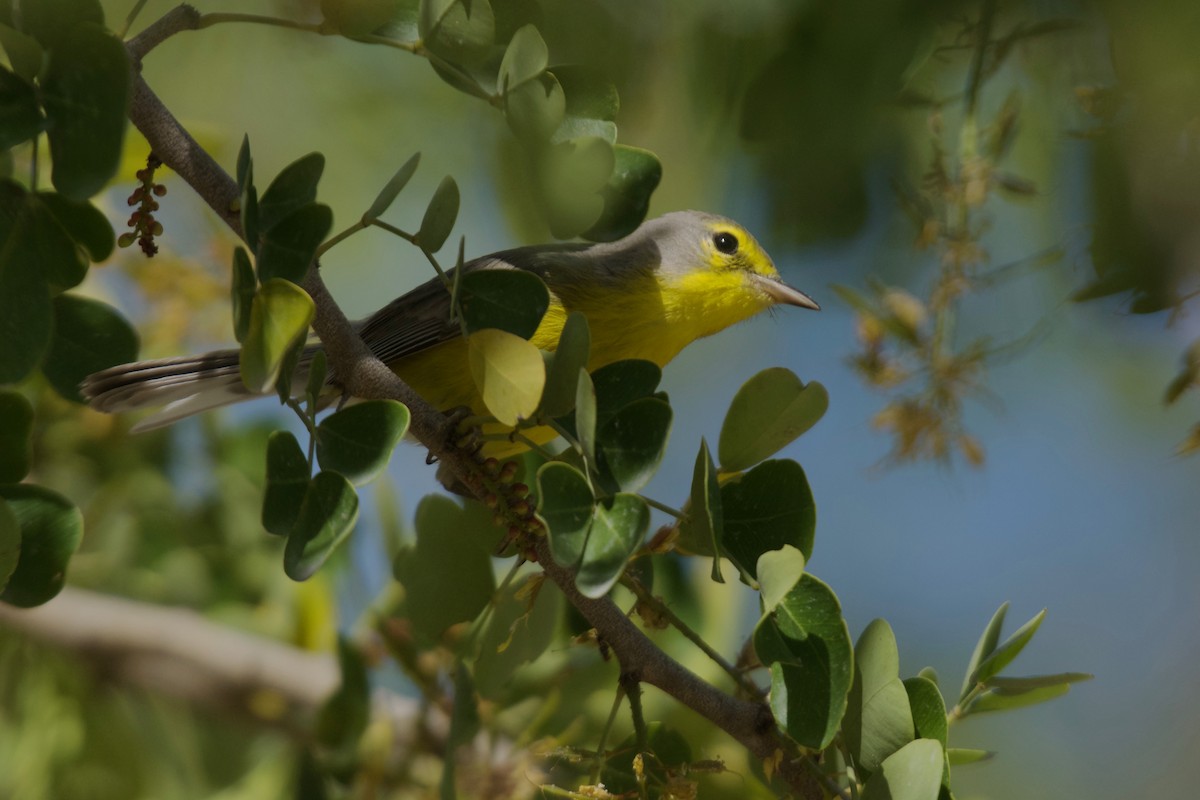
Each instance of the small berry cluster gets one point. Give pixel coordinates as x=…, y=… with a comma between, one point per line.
x=145, y=226
x=511, y=501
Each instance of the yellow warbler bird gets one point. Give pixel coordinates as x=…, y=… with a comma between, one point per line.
x=675, y=279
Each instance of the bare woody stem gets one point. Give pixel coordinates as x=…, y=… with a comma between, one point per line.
x=361, y=374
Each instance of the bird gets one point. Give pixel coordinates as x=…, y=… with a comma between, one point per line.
x=676, y=278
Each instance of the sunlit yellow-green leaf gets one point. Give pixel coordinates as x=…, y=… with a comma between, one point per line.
x=509, y=373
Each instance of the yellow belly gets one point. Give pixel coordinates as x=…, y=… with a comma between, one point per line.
x=648, y=321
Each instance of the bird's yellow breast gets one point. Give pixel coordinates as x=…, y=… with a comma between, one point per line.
x=652, y=318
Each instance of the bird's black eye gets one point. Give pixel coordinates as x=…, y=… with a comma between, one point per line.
x=726, y=242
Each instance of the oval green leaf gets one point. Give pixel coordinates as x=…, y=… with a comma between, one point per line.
x=878, y=719
x=565, y=504
x=279, y=318
x=460, y=31
x=16, y=447
x=392, y=190
x=805, y=641
x=241, y=292
x=326, y=517
x=508, y=299
x=509, y=373
x=358, y=440
x=525, y=58
x=914, y=772
x=535, y=109
x=562, y=376
x=928, y=709
x=287, y=481
x=289, y=246
x=620, y=383
x=768, y=412
x=293, y=188
x=20, y=119
x=768, y=507
x=85, y=93
x=10, y=543
x=584, y=417
x=778, y=573
x=89, y=336
x=24, y=52
x=618, y=527
x=83, y=222
x=25, y=310
x=704, y=529
x=636, y=174
x=631, y=444
x=51, y=528
x=440, y=216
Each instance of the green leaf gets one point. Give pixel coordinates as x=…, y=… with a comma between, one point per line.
x=242, y=292
x=805, y=641
x=49, y=20
x=25, y=310
x=879, y=720
x=635, y=175
x=460, y=31
x=16, y=446
x=704, y=529
x=959, y=756
x=316, y=381
x=590, y=95
x=562, y=375
x=570, y=176
x=24, y=52
x=1017, y=685
x=633, y=441
x=245, y=165
x=249, y=215
x=768, y=412
x=293, y=188
x=289, y=246
x=914, y=772
x=507, y=299
x=778, y=573
x=1004, y=700
x=85, y=93
x=343, y=718
x=392, y=190
x=83, y=222
x=928, y=709
x=54, y=252
x=447, y=575
x=620, y=383
x=585, y=414
x=358, y=440
x=618, y=527
x=326, y=517
x=535, y=109
x=20, y=118
x=984, y=648
x=440, y=215
x=509, y=373
x=565, y=504
x=10, y=543
x=524, y=60
x=89, y=336
x=521, y=625
x=766, y=508
x=359, y=17
x=279, y=317
x=1003, y=655
x=51, y=528
x=288, y=474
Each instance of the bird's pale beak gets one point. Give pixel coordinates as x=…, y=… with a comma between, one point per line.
x=780, y=292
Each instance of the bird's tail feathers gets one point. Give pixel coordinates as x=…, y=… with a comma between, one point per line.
x=185, y=386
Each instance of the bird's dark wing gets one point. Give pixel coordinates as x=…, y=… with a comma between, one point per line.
x=420, y=319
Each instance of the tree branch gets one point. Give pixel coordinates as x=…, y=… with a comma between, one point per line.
x=362, y=375
x=179, y=653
